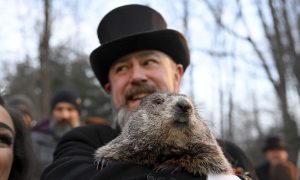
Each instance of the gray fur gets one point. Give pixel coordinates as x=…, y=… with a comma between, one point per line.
x=165, y=132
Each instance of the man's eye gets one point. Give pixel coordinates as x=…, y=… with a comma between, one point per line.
x=149, y=62
x=58, y=109
x=71, y=109
x=121, y=69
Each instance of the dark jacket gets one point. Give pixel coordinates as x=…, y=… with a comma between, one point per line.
x=43, y=143
x=74, y=155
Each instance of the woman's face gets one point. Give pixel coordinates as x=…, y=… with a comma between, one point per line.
x=7, y=137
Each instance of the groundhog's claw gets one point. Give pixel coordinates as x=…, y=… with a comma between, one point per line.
x=102, y=163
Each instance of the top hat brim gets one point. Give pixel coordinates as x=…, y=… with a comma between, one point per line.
x=274, y=143
x=274, y=147
x=168, y=41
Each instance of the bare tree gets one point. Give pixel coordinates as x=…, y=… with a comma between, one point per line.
x=256, y=116
x=284, y=68
x=185, y=19
x=277, y=32
x=44, y=51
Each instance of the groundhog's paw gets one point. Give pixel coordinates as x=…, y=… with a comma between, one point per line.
x=101, y=153
x=169, y=165
x=104, y=156
x=105, y=153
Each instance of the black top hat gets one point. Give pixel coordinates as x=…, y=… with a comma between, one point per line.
x=274, y=143
x=131, y=28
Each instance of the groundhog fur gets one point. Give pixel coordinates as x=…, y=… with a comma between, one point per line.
x=166, y=133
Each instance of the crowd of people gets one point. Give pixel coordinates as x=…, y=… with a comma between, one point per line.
x=138, y=55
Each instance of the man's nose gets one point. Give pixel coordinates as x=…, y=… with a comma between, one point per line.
x=65, y=114
x=138, y=74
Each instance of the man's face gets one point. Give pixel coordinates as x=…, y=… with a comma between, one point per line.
x=136, y=75
x=64, y=117
x=275, y=156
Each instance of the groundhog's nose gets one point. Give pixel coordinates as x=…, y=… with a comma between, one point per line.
x=183, y=106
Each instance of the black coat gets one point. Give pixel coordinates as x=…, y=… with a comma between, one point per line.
x=74, y=157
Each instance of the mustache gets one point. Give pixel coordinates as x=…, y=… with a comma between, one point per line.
x=139, y=87
x=120, y=114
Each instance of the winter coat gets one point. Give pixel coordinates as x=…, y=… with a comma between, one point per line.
x=43, y=143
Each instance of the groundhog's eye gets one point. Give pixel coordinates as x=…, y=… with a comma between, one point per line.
x=158, y=100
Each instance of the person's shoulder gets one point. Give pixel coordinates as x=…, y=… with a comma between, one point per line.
x=38, y=135
x=42, y=126
x=83, y=140
x=290, y=164
x=101, y=133
x=92, y=129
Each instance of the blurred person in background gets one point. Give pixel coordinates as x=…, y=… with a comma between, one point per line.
x=64, y=115
x=23, y=104
x=16, y=156
x=277, y=163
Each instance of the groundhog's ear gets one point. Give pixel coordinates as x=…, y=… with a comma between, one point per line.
x=107, y=88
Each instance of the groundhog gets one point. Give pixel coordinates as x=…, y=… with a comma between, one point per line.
x=166, y=133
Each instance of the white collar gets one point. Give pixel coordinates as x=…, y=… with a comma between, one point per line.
x=222, y=177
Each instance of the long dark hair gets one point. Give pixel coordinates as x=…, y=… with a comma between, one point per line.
x=22, y=167
x=23, y=159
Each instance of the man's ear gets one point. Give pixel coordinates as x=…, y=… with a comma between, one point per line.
x=178, y=76
x=107, y=88
x=179, y=68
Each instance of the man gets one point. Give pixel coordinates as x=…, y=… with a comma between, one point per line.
x=138, y=56
x=64, y=115
x=276, y=154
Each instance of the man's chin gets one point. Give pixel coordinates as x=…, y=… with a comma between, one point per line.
x=59, y=129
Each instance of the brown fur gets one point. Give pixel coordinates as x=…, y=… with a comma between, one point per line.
x=165, y=132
